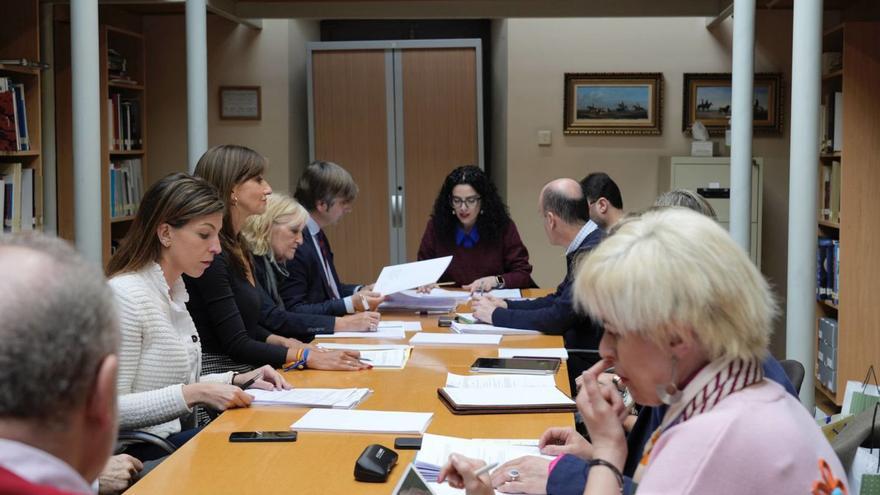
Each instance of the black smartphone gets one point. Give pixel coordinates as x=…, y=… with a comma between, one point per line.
x=262, y=436
x=408, y=443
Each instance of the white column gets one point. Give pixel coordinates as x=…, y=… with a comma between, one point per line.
x=86, y=128
x=196, y=81
x=800, y=327
x=741, y=121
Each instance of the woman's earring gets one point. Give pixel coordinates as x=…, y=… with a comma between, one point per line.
x=670, y=393
x=166, y=243
x=234, y=200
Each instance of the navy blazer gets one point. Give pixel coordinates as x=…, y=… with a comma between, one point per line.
x=306, y=289
x=554, y=314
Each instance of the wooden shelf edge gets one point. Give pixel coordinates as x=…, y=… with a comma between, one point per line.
x=829, y=224
x=127, y=152
x=123, y=85
x=827, y=303
x=127, y=218
x=832, y=30
x=837, y=74
x=28, y=153
x=824, y=392
x=18, y=69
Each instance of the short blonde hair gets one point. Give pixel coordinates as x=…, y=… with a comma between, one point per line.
x=257, y=230
x=672, y=268
x=687, y=199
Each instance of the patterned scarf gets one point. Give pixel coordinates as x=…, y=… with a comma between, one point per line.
x=710, y=386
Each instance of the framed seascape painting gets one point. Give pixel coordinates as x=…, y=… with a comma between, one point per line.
x=707, y=99
x=613, y=103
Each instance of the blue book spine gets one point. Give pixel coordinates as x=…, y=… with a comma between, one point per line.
x=24, y=141
x=822, y=269
x=836, y=291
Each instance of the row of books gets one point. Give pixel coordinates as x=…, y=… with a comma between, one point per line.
x=126, y=187
x=826, y=353
x=17, y=197
x=829, y=193
x=124, y=123
x=117, y=67
x=13, y=116
x=828, y=270
x=831, y=123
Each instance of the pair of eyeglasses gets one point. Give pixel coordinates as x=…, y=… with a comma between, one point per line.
x=470, y=202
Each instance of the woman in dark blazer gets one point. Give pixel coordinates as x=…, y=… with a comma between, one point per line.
x=471, y=223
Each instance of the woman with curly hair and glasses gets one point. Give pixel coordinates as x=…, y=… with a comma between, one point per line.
x=471, y=223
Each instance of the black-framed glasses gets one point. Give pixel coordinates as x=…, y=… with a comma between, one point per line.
x=470, y=202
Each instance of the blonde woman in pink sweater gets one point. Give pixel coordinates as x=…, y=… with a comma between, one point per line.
x=687, y=322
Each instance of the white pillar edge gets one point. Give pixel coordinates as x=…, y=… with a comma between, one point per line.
x=800, y=324
x=741, y=122
x=196, y=82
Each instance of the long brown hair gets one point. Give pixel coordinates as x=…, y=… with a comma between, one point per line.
x=225, y=167
x=175, y=199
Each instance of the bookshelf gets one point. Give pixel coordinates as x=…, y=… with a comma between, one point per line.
x=849, y=174
x=123, y=122
x=21, y=166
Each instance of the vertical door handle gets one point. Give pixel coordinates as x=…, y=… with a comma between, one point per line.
x=396, y=211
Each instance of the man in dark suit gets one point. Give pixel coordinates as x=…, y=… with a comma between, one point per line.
x=564, y=209
x=326, y=190
x=603, y=199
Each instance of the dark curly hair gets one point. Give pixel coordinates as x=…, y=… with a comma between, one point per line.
x=493, y=217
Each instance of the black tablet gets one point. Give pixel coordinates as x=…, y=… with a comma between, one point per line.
x=529, y=366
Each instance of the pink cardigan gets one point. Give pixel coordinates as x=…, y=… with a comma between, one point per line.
x=758, y=440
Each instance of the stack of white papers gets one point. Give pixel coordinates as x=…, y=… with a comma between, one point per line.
x=386, y=330
x=435, y=451
x=499, y=381
x=483, y=328
x=436, y=300
x=339, y=398
x=542, y=352
x=507, y=397
x=454, y=339
x=378, y=355
x=355, y=421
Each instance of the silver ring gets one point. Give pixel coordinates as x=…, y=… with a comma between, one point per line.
x=513, y=474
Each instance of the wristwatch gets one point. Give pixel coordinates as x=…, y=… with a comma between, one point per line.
x=499, y=282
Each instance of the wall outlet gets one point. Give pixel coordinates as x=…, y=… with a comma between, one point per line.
x=544, y=138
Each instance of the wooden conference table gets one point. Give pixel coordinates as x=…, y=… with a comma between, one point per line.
x=323, y=463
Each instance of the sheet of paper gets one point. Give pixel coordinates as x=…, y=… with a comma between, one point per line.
x=387, y=358
x=435, y=451
x=437, y=300
x=362, y=347
x=344, y=398
x=363, y=421
x=396, y=278
x=506, y=293
x=412, y=326
x=391, y=332
x=543, y=352
x=500, y=381
x=518, y=396
x=483, y=328
x=454, y=339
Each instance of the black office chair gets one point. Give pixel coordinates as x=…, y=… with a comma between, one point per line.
x=795, y=372
x=126, y=437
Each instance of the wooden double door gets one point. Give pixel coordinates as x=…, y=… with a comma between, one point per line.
x=398, y=115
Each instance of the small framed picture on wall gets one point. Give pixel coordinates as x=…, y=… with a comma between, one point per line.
x=613, y=103
x=240, y=103
x=707, y=98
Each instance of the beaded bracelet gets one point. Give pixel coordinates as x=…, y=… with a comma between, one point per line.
x=302, y=356
x=612, y=467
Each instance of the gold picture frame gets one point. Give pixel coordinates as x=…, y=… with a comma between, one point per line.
x=613, y=103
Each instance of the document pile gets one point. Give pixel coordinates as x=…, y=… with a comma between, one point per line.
x=436, y=300
x=385, y=330
x=336, y=398
x=380, y=356
x=436, y=449
x=493, y=394
x=405, y=423
x=485, y=328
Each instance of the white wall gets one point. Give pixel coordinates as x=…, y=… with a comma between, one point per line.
x=237, y=56
x=540, y=51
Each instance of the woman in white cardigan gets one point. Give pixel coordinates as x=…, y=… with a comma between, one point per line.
x=174, y=232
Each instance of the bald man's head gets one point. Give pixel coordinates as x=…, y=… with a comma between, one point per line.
x=565, y=199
